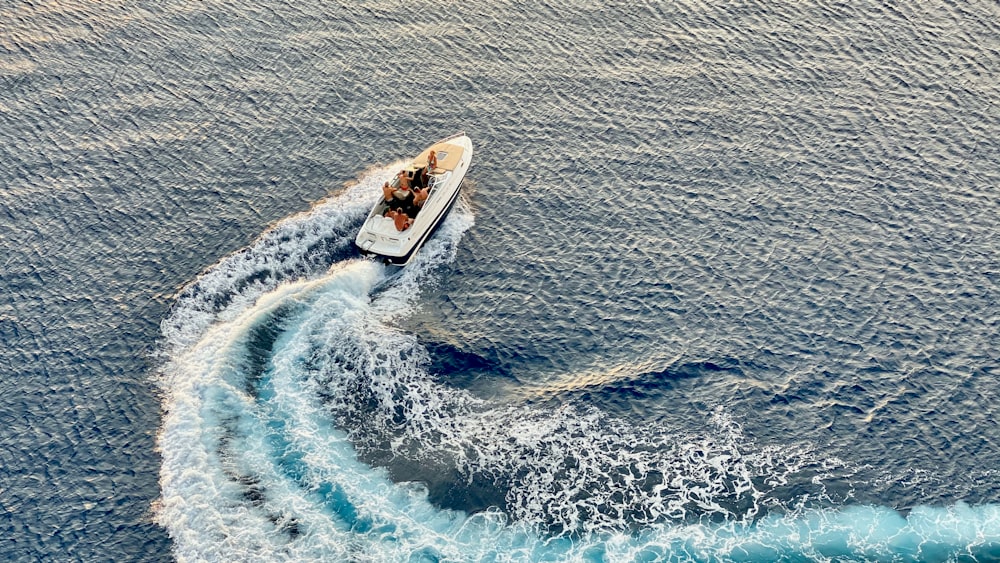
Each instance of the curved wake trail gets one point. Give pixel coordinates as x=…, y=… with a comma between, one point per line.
x=284, y=376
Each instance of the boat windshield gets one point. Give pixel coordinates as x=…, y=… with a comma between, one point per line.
x=436, y=179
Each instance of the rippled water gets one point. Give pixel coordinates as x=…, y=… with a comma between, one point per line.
x=723, y=284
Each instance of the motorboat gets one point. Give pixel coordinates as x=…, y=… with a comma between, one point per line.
x=394, y=238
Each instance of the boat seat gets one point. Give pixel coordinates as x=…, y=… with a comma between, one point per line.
x=383, y=225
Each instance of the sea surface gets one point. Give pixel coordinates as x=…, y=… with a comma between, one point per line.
x=723, y=283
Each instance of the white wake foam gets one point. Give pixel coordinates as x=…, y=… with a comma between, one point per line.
x=280, y=370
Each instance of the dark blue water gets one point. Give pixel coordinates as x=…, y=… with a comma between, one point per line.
x=723, y=284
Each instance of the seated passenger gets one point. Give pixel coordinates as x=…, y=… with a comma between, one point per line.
x=387, y=192
x=419, y=197
x=403, y=195
x=400, y=219
x=404, y=179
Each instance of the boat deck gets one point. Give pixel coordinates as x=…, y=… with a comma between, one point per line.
x=448, y=156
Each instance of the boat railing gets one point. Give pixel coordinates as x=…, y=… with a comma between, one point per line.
x=435, y=179
x=450, y=137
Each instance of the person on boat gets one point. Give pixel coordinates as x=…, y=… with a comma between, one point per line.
x=403, y=195
x=400, y=219
x=387, y=191
x=404, y=179
x=419, y=197
x=432, y=162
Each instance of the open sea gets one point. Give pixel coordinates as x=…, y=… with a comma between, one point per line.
x=723, y=283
